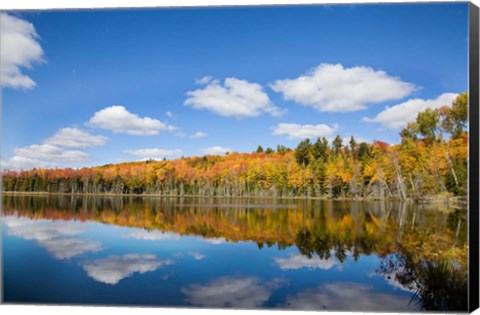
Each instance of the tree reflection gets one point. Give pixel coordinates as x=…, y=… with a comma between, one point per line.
x=440, y=284
x=424, y=246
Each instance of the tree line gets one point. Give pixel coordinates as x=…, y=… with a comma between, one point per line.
x=430, y=160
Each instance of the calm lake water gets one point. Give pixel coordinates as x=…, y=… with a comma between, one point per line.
x=288, y=254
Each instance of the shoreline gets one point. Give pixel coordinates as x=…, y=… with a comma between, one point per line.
x=428, y=199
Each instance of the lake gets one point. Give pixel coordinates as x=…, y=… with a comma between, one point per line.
x=233, y=253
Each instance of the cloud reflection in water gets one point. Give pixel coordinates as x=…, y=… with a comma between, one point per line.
x=297, y=261
x=114, y=268
x=237, y=292
x=66, y=248
x=347, y=296
x=152, y=235
x=57, y=237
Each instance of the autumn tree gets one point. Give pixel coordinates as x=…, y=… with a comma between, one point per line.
x=281, y=149
x=455, y=118
x=320, y=149
x=303, y=152
x=353, y=145
x=427, y=124
x=337, y=144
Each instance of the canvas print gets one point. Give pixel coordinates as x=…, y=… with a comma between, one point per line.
x=310, y=157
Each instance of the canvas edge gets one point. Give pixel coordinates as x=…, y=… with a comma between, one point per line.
x=473, y=158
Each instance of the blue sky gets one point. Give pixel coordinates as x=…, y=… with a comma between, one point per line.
x=105, y=86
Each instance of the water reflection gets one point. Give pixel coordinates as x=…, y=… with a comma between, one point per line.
x=152, y=235
x=112, y=269
x=315, y=227
x=66, y=248
x=196, y=256
x=237, y=292
x=392, y=278
x=215, y=240
x=56, y=237
x=440, y=284
x=297, y=261
x=346, y=296
x=390, y=252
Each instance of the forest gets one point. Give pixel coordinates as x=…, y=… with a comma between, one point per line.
x=431, y=160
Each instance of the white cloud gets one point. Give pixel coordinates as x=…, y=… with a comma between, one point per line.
x=333, y=88
x=345, y=296
x=216, y=150
x=198, y=135
x=119, y=120
x=398, y=116
x=19, y=49
x=57, y=237
x=22, y=162
x=205, y=80
x=296, y=131
x=75, y=138
x=235, y=292
x=235, y=98
x=51, y=153
x=197, y=256
x=297, y=261
x=114, y=268
x=169, y=114
x=155, y=153
x=153, y=236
